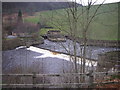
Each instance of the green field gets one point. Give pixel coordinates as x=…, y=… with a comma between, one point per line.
x=103, y=27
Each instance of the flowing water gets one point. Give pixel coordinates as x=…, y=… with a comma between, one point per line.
x=35, y=59
x=65, y=47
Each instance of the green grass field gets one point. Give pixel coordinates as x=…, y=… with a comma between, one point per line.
x=103, y=27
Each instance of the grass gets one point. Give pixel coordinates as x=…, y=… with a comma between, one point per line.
x=44, y=31
x=115, y=77
x=32, y=19
x=103, y=27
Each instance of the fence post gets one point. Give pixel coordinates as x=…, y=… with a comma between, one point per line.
x=90, y=79
x=33, y=78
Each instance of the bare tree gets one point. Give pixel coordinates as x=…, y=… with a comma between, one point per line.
x=76, y=16
x=77, y=19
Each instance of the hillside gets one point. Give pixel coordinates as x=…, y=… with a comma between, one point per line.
x=27, y=7
x=103, y=27
x=105, y=24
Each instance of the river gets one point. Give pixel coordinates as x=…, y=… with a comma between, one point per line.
x=26, y=57
x=39, y=60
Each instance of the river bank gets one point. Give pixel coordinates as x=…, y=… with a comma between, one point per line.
x=10, y=44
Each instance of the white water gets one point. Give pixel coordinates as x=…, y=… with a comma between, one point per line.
x=91, y=51
x=47, y=54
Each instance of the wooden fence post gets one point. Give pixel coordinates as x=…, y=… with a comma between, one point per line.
x=91, y=79
x=33, y=78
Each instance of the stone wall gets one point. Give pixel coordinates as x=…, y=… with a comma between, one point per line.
x=105, y=43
